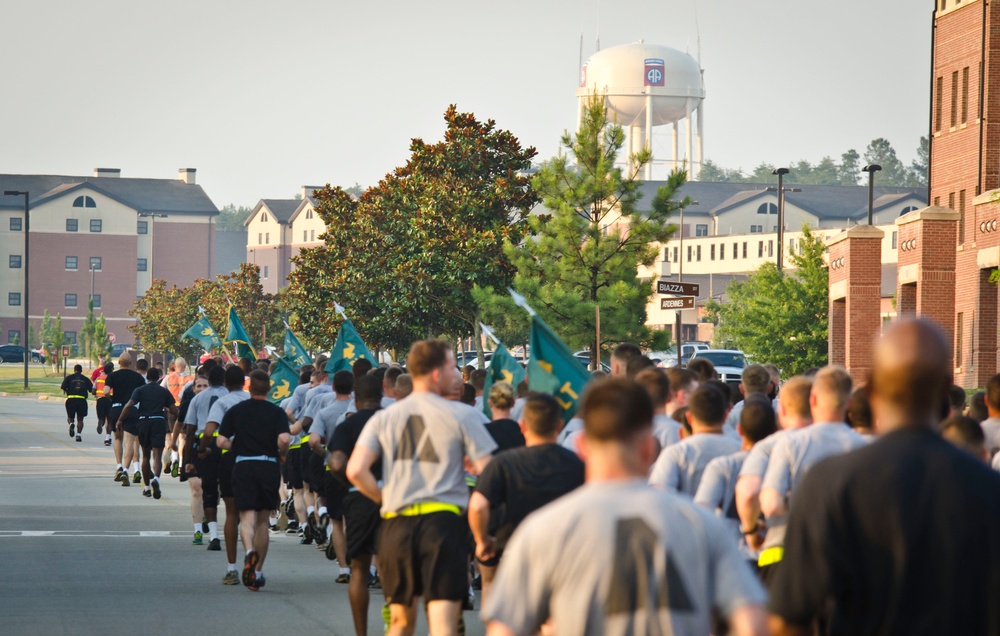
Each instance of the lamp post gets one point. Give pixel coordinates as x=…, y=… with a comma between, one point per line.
x=24, y=338
x=871, y=169
x=781, y=172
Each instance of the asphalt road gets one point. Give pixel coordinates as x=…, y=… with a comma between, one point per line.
x=80, y=554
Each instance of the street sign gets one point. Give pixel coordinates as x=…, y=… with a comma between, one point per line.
x=677, y=289
x=680, y=302
x=65, y=352
x=111, y=337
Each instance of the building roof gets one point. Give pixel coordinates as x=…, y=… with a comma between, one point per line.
x=171, y=196
x=282, y=209
x=825, y=202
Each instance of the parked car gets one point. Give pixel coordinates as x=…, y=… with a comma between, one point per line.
x=667, y=359
x=14, y=353
x=584, y=357
x=119, y=348
x=728, y=363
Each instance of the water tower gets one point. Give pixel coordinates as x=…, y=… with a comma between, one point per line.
x=645, y=86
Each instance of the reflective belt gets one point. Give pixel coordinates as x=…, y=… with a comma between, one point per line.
x=255, y=458
x=117, y=404
x=299, y=445
x=151, y=417
x=771, y=556
x=423, y=509
x=81, y=397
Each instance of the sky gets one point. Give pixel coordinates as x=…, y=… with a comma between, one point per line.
x=262, y=97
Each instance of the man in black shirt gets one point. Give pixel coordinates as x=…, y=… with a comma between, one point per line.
x=76, y=387
x=361, y=514
x=901, y=536
x=256, y=431
x=152, y=402
x=519, y=481
x=122, y=383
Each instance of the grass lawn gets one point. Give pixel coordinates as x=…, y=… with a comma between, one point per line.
x=41, y=380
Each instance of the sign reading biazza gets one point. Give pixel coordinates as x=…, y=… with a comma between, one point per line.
x=680, y=302
x=677, y=289
x=654, y=75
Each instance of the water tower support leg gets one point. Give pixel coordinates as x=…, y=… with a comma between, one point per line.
x=676, y=148
x=701, y=138
x=649, y=135
x=690, y=139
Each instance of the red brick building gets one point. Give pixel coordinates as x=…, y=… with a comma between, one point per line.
x=103, y=235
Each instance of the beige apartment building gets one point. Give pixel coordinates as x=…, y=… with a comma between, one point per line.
x=277, y=230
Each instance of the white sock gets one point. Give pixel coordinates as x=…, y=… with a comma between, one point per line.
x=197, y=527
x=272, y=520
x=310, y=510
x=257, y=573
x=120, y=467
x=107, y=437
x=231, y=567
x=156, y=479
x=174, y=456
x=135, y=467
x=322, y=510
x=372, y=570
x=213, y=529
x=345, y=570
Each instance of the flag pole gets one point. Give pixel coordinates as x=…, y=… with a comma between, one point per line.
x=597, y=344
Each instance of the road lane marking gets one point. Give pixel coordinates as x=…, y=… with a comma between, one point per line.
x=95, y=533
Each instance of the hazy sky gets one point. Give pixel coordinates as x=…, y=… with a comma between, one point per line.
x=263, y=97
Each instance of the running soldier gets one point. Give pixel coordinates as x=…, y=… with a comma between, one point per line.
x=616, y=556
x=255, y=433
x=206, y=469
x=103, y=401
x=122, y=384
x=422, y=442
x=152, y=402
x=76, y=387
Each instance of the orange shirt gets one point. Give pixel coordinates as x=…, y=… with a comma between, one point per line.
x=175, y=384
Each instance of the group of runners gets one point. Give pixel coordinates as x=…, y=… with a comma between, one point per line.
x=672, y=503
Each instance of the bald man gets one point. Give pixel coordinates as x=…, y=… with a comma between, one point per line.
x=903, y=535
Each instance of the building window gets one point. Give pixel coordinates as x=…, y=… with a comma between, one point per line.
x=938, y=102
x=267, y=238
x=959, y=352
x=84, y=202
x=69, y=337
x=698, y=254
x=895, y=239
x=712, y=252
x=71, y=262
x=756, y=229
x=142, y=265
x=675, y=254
x=69, y=300
x=791, y=246
x=97, y=301
x=265, y=271
x=954, y=99
x=961, y=217
x=142, y=227
x=95, y=225
x=305, y=235
x=937, y=201
x=95, y=263
x=14, y=299
x=722, y=251
x=263, y=217
x=13, y=336
x=15, y=224
x=760, y=249
x=701, y=230
x=770, y=249
x=767, y=208
x=260, y=238
x=72, y=225
x=666, y=254
x=965, y=94
x=15, y=261
x=689, y=253
x=911, y=208
x=736, y=252
x=312, y=235
x=744, y=249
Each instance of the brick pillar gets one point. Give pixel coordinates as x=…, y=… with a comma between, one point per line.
x=855, y=258
x=926, y=245
x=983, y=333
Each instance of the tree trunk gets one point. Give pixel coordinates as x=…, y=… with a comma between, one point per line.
x=478, y=337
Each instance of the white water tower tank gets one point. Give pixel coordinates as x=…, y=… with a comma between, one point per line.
x=644, y=86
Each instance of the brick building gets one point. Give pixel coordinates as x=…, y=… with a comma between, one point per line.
x=103, y=235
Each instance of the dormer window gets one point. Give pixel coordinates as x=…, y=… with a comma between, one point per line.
x=84, y=202
x=767, y=208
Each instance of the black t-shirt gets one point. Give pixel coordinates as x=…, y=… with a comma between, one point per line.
x=899, y=537
x=522, y=480
x=186, y=396
x=77, y=385
x=151, y=400
x=123, y=383
x=256, y=425
x=506, y=433
x=345, y=437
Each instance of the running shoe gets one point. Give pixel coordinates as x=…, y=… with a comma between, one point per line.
x=324, y=521
x=100, y=428
x=175, y=469
x=166, y=468
x=214, y=545
x=292, y=528
x=331, y=554
x=204, y=525
x=250, y=562
x=231, y=578
x=197, y=538
x=344, y=578
x=137, y=477
x=146, y=493
x=72, y=429
x=274, y=529
x=125, y=481
x=156, y=488
x=258, y=583
x=107, y=442
x=118, y=473
x=308, y=534
x=319, y=536
x=79, y=439
x=374, y=582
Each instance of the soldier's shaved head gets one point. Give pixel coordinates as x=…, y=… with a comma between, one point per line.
x=910, y=376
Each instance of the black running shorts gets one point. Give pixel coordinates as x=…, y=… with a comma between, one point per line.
x=361, y=524
x=304, y=454
x=76, y=408
x=293, y=469
x=226, y=463
x=208, y=470
x=103, y=408
x=255, y=484
x=334, y=491
x=152, y=432
x=424, y=556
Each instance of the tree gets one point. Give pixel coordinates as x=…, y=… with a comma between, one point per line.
x=87, y=334
x=850, y=167
x=231, y=218
x=780, y=318
x=881, y=152
x=404, y=257
x=586, y=250
x=918, y=169
x=712, y=172
x=53, y=335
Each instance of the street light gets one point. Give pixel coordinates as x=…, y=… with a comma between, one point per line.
x=781, y=172
x=24, y=338
x=871, y=169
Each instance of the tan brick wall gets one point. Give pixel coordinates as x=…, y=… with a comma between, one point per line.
x=855, y=281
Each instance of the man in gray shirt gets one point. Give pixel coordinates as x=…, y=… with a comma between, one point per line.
x=616, y=556
x=207, y=468
x=680, y=466
x=754, y=379
x=422, y=442
x=991, y=425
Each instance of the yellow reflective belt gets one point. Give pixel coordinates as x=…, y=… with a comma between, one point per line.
x=299, y=445
x=771, y=556
x=423, y=509
x=82, y=397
